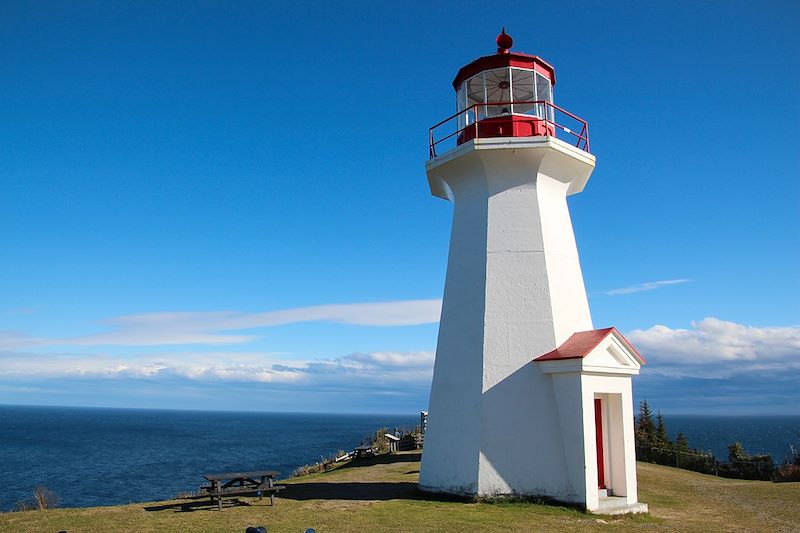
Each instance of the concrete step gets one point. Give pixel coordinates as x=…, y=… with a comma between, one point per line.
x=618, y=505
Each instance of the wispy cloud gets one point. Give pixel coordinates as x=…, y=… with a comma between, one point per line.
x=710, y=349
x=215, y=327
x=648, y=286
x=19, y=311
x=394, y=369
x=735, y=365
x=715, y=348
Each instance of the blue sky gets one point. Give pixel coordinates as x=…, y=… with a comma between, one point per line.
x=213, y=197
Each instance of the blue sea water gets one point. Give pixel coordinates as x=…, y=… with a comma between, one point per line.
x=93, y=456
x=758, y=434
x=89, y=456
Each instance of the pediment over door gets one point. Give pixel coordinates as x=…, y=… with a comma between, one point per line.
x=604, y=351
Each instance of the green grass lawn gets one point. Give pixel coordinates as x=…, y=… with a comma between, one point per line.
x=380, y=495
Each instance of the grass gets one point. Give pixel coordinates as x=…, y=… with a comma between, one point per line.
x=380, y=495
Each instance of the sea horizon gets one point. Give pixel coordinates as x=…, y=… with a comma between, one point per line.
x=374, y=413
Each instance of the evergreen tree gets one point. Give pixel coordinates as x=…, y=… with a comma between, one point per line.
x=682, y=443
x=645, y=428
x=661, y=437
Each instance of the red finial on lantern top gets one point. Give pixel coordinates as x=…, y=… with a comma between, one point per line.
x=504, y=42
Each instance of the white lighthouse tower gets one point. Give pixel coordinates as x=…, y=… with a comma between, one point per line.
x=527, y=397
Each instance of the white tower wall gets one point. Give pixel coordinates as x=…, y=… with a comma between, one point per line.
x=514, y=290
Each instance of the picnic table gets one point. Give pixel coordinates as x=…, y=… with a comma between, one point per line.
x=363, y=451
x=259, y=482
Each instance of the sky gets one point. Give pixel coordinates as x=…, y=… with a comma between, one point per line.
x=223, y=205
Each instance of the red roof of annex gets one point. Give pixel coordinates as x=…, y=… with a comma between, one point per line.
x=580, y=344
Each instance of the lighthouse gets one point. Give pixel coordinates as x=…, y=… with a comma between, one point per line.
x=528, y=398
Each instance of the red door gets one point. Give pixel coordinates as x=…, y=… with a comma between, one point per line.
x=598, y=433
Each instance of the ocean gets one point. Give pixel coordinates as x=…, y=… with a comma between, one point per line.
x=758, y=434
x=90, y=456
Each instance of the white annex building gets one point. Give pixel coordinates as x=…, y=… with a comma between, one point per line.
x=527, y=397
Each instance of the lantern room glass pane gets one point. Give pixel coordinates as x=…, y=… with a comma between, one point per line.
x=461, y=104
x=543, y=92
x=475, y=95
x=498, y=89
x=523, y=90
x=475, y=92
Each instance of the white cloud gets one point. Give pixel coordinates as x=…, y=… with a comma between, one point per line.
x=715, y=348
x=13, y=340
x=648, y=286
x=170, y=328
x=710, y=348
x=367, y=369
x=392, y=369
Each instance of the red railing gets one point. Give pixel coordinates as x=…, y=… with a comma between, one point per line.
x=579, y=135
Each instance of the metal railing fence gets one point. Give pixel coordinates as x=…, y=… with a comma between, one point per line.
x=706, y=463
x=544, y=111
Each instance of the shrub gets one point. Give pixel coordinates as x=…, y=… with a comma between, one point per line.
x=698, y=461
x=790, y=469
x=794, y=456
x=24, y=505
x=688, y=459
x=742, y=465
x=323, y=465
x=378, y=441
x=43, y=498
x=787, y=472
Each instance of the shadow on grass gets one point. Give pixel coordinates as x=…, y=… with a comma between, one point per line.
x=399, y=490
x=352, y=491
x=383, y=459
x=199, y=505
x=328, y=491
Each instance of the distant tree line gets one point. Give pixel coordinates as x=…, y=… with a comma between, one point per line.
x=653, y=445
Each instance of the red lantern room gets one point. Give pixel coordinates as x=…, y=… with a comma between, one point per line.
x=508, y=94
